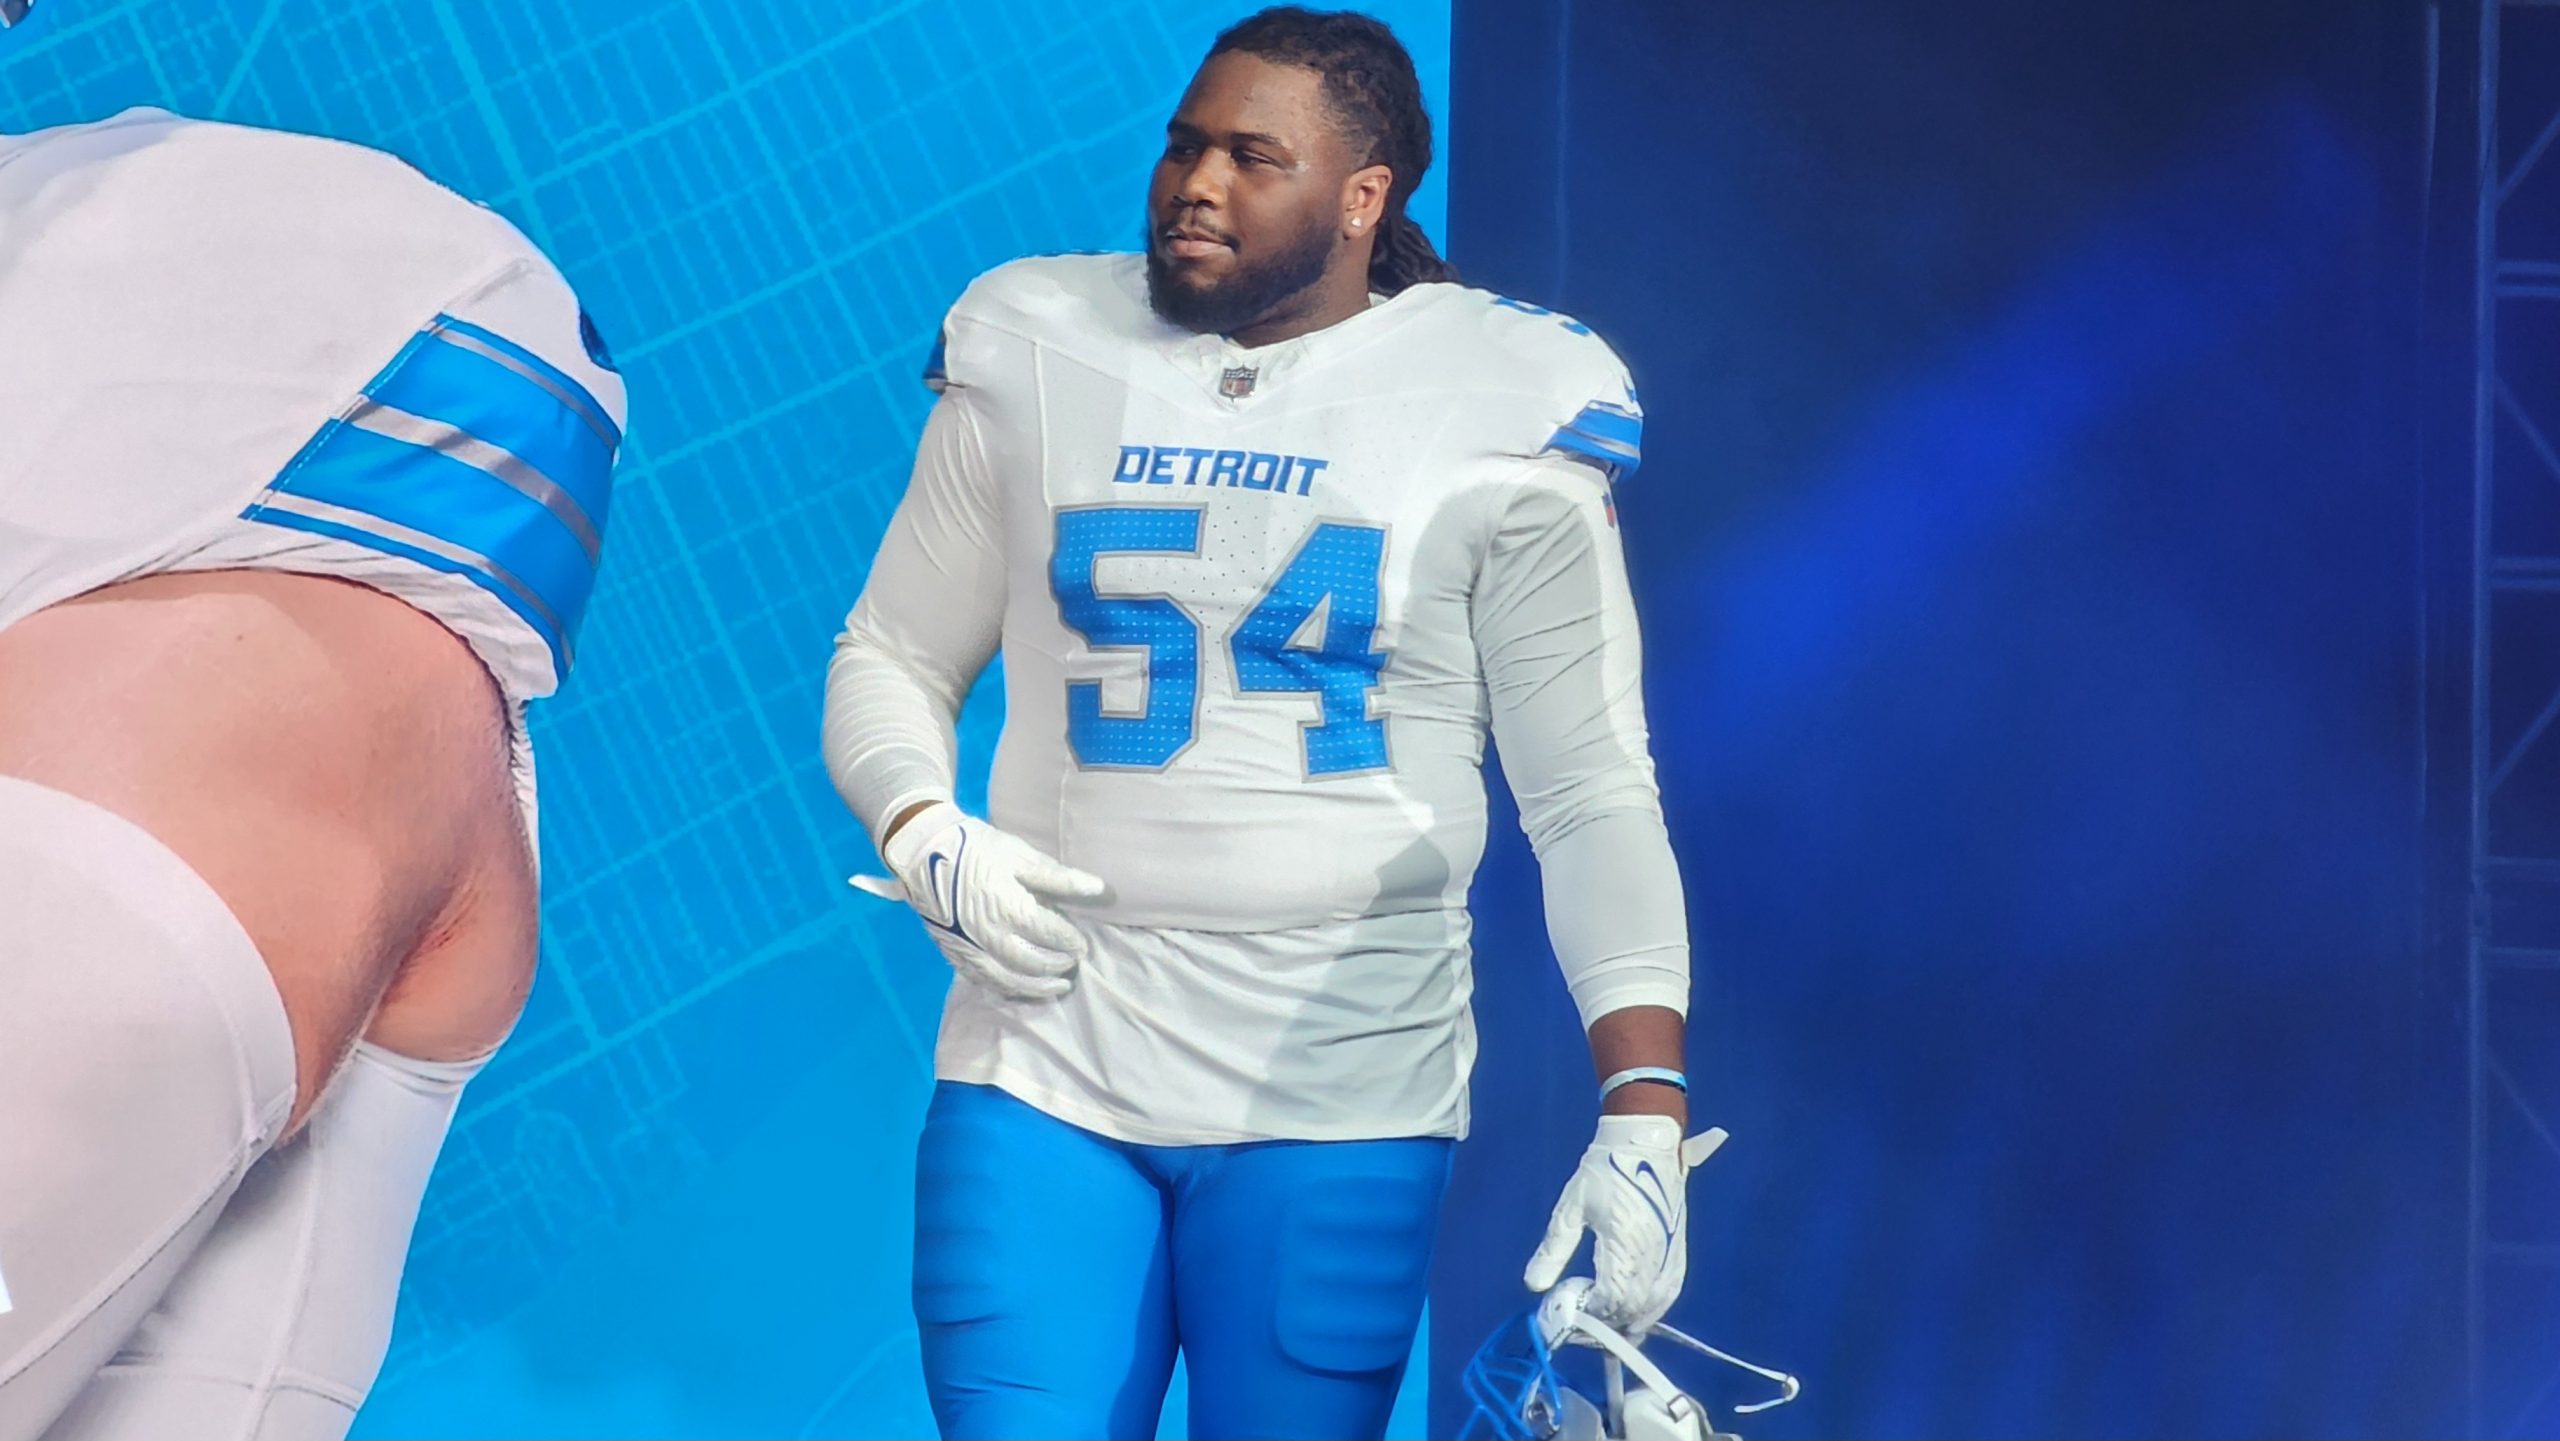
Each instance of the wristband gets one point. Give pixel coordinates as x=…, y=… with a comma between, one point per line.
x=1633, y=1074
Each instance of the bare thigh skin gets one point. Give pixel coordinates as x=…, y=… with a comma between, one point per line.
x=332, y=761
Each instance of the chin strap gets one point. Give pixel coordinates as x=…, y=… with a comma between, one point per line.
x=1788, y=1386
x=1581, y=1329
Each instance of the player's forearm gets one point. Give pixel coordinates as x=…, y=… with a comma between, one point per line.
x=887, y=733
x=930, y=618
x=1641, y=1037
x=1556, y=625
x=1616, y=914
x=904, y=815
x=1620, y=928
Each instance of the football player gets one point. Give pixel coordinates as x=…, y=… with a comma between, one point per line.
x=1273, y=523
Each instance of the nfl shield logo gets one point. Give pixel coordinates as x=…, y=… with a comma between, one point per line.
x=1236, y=384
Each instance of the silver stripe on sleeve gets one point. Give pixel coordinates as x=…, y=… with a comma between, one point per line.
x=495, y=461
x=303, y=505
x=582, y=404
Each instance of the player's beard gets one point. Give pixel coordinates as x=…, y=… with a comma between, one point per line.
x=1249, y=293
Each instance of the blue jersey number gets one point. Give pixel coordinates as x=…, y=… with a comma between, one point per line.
x=1164, y=630
x=1341, y=563
x=1336, y=569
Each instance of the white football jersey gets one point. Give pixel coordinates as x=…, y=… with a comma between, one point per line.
x=234, y=348
x=1259, y=610
x=1241, y=677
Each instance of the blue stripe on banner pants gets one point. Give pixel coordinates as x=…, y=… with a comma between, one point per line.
x=1058, y=1270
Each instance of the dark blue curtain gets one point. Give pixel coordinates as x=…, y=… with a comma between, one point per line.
x=2040, y=564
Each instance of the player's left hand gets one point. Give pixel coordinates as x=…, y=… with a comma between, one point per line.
x=1631, y=1191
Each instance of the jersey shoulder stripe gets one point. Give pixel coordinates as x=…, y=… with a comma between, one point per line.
x=471, y=455
x=1590, y=400
x=1609, y=435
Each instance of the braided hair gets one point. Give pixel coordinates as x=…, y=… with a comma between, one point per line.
x=1370, y=85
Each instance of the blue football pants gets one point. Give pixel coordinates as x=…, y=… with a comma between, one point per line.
x=1058, y=1270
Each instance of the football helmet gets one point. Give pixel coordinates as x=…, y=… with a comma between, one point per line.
x=1523, y=1383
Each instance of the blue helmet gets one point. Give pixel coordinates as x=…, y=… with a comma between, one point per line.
x=1532, y=1381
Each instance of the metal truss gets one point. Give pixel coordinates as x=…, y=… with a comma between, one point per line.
x=2513, y=1041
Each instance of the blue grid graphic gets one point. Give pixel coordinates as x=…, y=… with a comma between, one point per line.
x=678, y=1203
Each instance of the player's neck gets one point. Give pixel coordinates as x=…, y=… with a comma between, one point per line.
x=1342, y=293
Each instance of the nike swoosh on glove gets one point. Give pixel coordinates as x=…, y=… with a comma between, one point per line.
x=989, y=900
x=1631, y=1191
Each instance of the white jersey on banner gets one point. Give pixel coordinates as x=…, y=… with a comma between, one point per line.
x=233, y=348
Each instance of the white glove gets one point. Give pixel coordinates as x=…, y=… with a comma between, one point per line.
x=1631, y=1191
x=986, y=898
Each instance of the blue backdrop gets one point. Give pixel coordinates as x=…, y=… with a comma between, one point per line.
x=2029, y=547
x=678, y=1203
x=2038, y=598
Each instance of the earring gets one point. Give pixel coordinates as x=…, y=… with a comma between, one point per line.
x=1357, y=222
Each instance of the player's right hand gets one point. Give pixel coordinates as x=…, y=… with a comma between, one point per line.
x=988, y=899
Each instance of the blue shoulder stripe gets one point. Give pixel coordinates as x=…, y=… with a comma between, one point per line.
x=936, y=366
x=470, y=455
x=568, y=391
x=1612, y=435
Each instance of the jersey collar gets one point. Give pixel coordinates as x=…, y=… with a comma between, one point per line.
x=1238, y=376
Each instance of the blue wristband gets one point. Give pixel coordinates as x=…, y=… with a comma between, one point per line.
x=1632, y=1074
